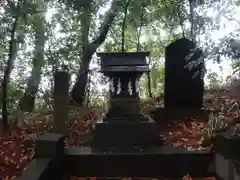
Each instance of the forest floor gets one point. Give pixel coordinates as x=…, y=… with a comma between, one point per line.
x=17, y=147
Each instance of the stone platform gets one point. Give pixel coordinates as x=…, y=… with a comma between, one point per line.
x=165, y=115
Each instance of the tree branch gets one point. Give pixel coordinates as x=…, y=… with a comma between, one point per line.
x=78, y=91
x=114, y=36
x=111, y=14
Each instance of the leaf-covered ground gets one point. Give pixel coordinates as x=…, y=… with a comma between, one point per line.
x=17, y=148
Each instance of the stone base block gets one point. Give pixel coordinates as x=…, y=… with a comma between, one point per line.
x=227, y=144
x=227, y=169
x=50, y=145
x=126, y=134
x=236, y=170
x=224, y=167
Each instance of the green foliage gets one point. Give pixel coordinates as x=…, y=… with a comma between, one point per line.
x=236, y=64
x=15, y=92
x=71, y=25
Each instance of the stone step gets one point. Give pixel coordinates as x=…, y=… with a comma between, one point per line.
x=164, y=162
x=126, y=118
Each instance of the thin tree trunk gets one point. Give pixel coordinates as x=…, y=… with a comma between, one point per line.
x=26, y=103
x=4, y=86
x=140, y=29
x=192, y=5
x=127, y=3
x=138, y=49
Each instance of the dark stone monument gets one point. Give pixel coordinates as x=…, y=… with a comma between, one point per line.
x=182, y=90
x=124, y=125
x=61, y=98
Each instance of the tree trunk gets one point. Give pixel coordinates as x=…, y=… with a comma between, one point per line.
x=4, y=85
x=127, y=3
x=79, y=89
x=192, y=5
x=82, y=79
x=26, y=103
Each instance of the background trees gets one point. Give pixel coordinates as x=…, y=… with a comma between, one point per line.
x=38, y=37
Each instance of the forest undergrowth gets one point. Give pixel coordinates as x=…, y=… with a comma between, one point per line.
x=17, y=147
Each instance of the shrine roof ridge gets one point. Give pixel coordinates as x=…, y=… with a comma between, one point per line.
x=101, y=54
x=123, y=59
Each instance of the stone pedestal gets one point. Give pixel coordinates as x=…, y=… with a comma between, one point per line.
x=127, y=133
x=227, y=155
x=224, y=167
x=124, y=125
x=236, y=170
x=124, y=107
